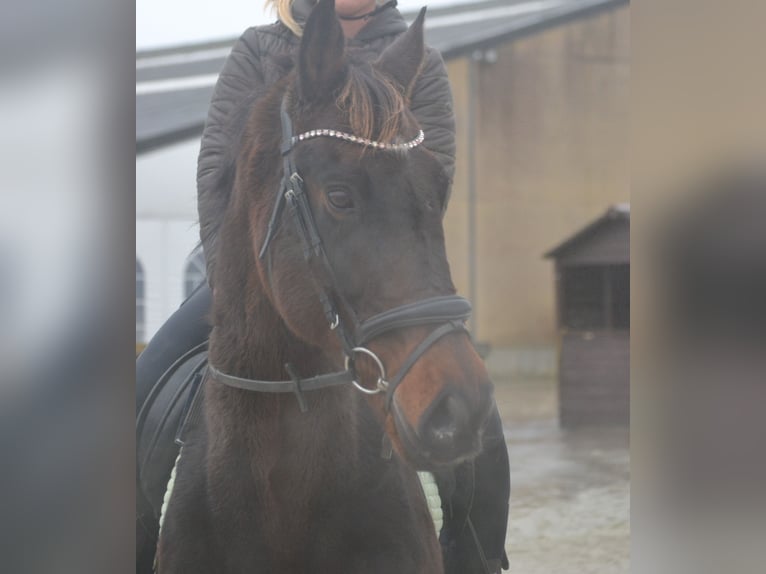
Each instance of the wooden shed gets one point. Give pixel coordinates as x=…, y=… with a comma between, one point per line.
x=593, y=308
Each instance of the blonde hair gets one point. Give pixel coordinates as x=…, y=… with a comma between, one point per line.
x=284, y=11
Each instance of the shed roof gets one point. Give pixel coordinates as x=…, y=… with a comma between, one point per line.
x=174, y=86
x=603, y=241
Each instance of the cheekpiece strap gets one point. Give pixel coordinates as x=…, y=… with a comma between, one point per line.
x=288, y=171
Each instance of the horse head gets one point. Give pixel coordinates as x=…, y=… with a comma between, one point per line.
x=375, y=199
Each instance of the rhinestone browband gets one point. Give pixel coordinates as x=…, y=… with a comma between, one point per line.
x=356, y=139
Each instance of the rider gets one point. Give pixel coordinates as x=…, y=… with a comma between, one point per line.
x=479, y=489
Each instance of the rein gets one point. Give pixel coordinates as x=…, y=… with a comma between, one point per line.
x=447, y=313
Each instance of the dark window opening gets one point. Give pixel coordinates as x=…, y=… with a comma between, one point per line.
x=620, y=280
x=584, y=298
x=596, y=297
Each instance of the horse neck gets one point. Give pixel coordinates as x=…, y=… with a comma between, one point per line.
x=251, y=340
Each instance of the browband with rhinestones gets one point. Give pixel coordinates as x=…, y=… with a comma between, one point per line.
x=356, y=139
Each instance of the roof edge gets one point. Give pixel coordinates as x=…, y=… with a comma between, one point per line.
x=527, y=25
x=185, y=47
x=616, y=212
x=152, y=143
x=531, y=25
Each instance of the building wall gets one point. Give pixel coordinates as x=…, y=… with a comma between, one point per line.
x=594, y=381
x=166, y=226
x=552, y=153
x=166, y=182
x=163, y=248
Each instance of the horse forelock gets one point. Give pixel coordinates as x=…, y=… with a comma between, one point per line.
x=368, y=101
x=375, y=106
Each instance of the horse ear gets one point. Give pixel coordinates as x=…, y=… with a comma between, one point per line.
x=403, y=58
x=321, y=61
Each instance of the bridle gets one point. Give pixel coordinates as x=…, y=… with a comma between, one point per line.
x=446, y=313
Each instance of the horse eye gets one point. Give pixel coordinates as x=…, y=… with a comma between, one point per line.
x=340, y=199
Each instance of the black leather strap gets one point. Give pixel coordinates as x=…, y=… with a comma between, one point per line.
x=288, y=386
x=436, y=309
x=424, y=312
x=287, y=171
x=424, y=345
x=292, y=192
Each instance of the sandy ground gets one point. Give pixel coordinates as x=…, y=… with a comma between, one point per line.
x=570, y=490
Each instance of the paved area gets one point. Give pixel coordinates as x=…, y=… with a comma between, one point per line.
x=570, y=490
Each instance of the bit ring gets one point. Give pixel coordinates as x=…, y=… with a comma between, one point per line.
x=381, y=385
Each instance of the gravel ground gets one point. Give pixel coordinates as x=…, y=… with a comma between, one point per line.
x=570, y=490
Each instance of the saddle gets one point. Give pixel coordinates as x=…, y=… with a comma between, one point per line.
x=162, y=413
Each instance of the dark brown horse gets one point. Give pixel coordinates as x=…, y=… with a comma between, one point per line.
x=273, y=484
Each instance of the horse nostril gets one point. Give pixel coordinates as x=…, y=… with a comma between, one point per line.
x=448, y=421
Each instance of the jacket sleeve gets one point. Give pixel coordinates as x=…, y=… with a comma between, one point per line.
x=241, y=76
x=431, y=102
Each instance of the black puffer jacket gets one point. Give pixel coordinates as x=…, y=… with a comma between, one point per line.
x=255, y=64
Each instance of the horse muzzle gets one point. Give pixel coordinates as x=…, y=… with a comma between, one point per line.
x=448, y=432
